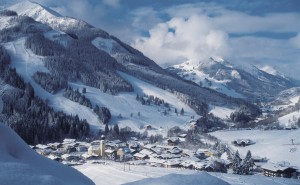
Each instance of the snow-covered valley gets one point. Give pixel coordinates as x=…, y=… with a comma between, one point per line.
x=276, y=145
x=118, y=173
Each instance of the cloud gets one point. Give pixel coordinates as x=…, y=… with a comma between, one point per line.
x=112, y=3
x=295, y=41
x=278, y=53
x=197, y=31
x=182, y=39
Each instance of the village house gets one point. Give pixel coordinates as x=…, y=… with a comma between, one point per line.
x=140, y=156
x=279, y=170
x=172, y=163
x=173, y=141
x=243, y=142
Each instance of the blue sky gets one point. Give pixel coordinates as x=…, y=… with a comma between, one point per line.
x=260, y=32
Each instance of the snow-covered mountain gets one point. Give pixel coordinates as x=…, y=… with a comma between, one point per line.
x=22, y=165
x=53, y=52
x=246, y=81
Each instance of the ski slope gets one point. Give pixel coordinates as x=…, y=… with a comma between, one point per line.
x=124, y=104
x=27, y=63
x=276, y=145
x=20, y=164
x=118, y=173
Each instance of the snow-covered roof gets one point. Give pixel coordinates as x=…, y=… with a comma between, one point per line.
x=140, y=155
x=40, y=146
x=277, y=167
x=145, y=151
x=172, y=162
x=68, y=140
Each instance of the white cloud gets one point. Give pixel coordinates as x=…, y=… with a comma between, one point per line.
x=182, y=39
x=196, y=32
x=295, y=41
x=144, y=18
x=112, y=3
x=238, y=22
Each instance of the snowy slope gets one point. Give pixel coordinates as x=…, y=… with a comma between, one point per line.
x=195, y=179
x=108, y=45
x=221, y=112
x=190, y=72
x=44, y=15
x=290, y=119
x=275, y=145
x=21, y=165
x=126, y=104
x=115, y=173
x=27, y=63
x=58, y=36
x=245, y=81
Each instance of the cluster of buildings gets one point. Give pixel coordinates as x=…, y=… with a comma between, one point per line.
x=72, y=152
x=135, y=152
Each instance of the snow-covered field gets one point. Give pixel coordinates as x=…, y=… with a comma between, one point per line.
x=221, y=112
x=289, y=119
x=20, y=164
x=276, y=145
x=117, y=173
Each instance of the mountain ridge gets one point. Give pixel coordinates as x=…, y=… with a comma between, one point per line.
x=236, y=81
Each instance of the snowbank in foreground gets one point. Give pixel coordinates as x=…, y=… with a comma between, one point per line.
x=21, y=165
x=202, y=178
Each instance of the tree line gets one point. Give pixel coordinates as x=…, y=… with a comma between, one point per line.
x=30, y=116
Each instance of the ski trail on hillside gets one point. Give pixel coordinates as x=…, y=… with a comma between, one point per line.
x=27, y=63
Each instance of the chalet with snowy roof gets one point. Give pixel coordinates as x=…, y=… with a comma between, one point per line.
x=68, y=141
x=172, y=164
x=149, y=146
x=70, y=157
x=157, y=150
x=204, y=153
x=82, y=148
x=156, y=162
x=54, y=157
x=243, y=142
x=148, y=127
x=87, y=156
x=279, y=170
x=173, y=141
x=140, y=156
x=55, y=146
x=175, y=151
